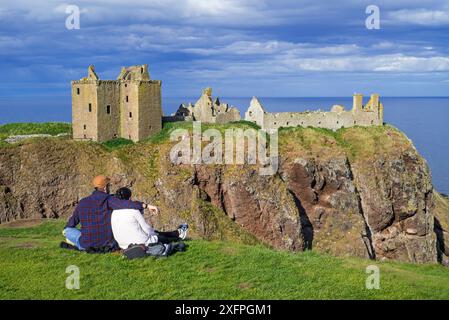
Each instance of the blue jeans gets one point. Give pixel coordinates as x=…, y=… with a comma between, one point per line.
x=73, y=235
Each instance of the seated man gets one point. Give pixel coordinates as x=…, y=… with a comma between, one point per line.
x=129, y=226
x=93, y=213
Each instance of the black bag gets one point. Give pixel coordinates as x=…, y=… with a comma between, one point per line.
x=135, y=251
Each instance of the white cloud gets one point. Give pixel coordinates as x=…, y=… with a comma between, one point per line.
x=295, y=66
x=422, y=17
x=274, y=47
x=382, y=63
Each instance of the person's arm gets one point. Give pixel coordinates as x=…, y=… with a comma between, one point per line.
x=74, y=220
x=144, y=225
x=116, y=204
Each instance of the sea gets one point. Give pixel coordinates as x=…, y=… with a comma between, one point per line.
x=425, y=120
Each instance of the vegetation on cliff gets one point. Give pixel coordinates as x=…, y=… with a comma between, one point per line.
x=52, y=128
x=359, y=191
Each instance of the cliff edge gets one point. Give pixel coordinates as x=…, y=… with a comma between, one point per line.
x=362, y=192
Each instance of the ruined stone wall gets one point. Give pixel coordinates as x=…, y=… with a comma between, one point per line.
x=176, y=118
x=368, y=115
x=203, y=110
x=327, y=120
x=150, y=111
x=84, y=118
x=230, y=115
x=108, y=93
x=255, y=113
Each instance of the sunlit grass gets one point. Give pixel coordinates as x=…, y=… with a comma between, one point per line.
x=33, y=267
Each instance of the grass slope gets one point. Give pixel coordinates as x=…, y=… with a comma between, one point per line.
x=33, y=267
x=52, y=128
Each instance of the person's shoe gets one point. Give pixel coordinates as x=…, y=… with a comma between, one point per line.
x=182, y=229
x=168, y=249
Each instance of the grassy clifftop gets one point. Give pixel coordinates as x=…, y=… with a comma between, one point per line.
x=227, y=260
x=33, y=267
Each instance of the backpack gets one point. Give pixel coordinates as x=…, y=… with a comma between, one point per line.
x=135, y=251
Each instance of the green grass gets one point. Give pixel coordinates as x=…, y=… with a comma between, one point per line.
x=33, y=267
x=169, y=127
x=117, y=143
x=52, y=128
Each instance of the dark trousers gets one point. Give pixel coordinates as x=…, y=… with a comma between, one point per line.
x=167, y=236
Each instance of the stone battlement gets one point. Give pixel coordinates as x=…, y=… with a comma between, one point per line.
x=360, y=115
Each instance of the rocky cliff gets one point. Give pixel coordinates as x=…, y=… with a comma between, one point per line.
x=362, y=192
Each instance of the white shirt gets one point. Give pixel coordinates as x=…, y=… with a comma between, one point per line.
x=129, y=227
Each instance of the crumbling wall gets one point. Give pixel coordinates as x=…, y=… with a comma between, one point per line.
x=232, y=114
x=368, y=115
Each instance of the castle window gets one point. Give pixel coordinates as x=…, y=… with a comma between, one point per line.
x=85, y=137
x=90, y=107
x=141, y=70
x=127, y=99
x=77, y=90
x=288, y=123
x=250, y=113
x=129, y=136
x=319, y=122
x=130, y=114
x=126, y=85
x=108, y=109
x=85, y=127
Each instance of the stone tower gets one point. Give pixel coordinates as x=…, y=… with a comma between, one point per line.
x=129, y=107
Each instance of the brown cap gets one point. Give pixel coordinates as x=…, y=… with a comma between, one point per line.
x=100, y=181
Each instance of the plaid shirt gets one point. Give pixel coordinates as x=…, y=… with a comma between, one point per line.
x=94, y=215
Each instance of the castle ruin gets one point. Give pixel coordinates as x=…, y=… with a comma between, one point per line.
x=129, y=107
x=370, y=114
x=207, y=110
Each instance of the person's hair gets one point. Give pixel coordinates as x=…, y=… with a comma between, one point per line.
x=123, y=193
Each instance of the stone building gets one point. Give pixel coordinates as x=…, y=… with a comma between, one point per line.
x=129, y=107
x=207, y=110
x=370, y=114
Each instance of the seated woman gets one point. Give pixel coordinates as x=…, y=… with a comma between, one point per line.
x=129, y=226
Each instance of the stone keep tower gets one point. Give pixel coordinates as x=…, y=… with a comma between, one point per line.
x=129, y=107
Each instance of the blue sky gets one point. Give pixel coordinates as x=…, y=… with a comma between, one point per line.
x=240, y=48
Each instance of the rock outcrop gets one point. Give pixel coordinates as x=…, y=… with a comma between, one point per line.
x=362, y=192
